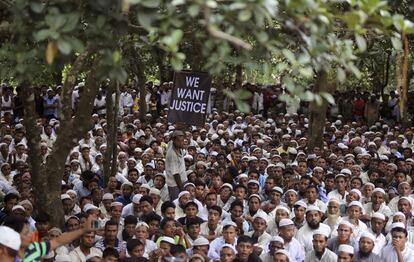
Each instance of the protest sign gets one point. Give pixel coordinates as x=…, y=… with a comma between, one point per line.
x=189, y=98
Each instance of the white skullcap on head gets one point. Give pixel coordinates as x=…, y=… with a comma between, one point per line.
x=282, y=208
x=346, y=249
x=378, y=189
x=378, y=215
x=397, y=225
x=277, y=239
x=261, y=215
x=345, y=223
x=182, y=193
x=282, y=251
x=285, y=222
x=321, y=232
x=312, y=208
x=368, y=235
x=357, y=192
x=355, y=203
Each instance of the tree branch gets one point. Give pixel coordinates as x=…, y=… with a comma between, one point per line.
x=214, y=32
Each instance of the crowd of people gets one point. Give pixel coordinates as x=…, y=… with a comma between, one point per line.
x=244, y=187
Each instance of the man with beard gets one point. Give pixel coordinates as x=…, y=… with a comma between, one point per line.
x=85, y=248
x=333, y=215
x=320, y=252
x=377, y=205
x=366, y=246
x=313, y=222
x=292, y=245
x=344, y=237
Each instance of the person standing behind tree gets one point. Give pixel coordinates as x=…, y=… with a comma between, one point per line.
x=371, y=112
x=358, y=107
x=175, y=165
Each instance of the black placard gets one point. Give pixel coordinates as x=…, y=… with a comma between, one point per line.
x=189, y=99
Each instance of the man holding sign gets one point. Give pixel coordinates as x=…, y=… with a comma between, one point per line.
x=189, y=98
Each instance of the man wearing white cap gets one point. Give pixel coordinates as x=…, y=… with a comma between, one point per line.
x=344, y=237
x=376, y=229
x=354, y=211
x=276, y=243
x=366, y=247
x=398, y=249
x=9, y=244
x=258, y=234
x=175, y=165
x=345, y=253
x=377, y=204
x=313, y=222
x=229, y=237
x=333, y=215
x=292, y=245
x=320, y=251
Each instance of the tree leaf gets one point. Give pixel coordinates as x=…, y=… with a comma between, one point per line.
x=64, y=46
x=42, y=34
x=51, y=51
x=242, y=106
x=242, y=94
x=245, y=15
x=396, y=43
x=194, y=10
x=361, y=42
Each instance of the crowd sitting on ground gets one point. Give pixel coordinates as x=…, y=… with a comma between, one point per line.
x=244, y=187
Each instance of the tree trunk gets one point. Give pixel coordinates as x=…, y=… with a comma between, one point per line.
x=111, y=134
x=317, y=113
x=33, y=143
x=239, y=76
x=139, y=70
x=114, y=130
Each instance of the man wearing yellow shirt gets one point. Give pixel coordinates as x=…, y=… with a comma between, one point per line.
x=284, y=148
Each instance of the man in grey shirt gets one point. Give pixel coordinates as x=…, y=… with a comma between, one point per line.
x=175, y=165
x=366, y=245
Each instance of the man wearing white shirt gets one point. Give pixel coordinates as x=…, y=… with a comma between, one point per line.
x=377, y=204
x=340, y=192
x=313, y=222
x=259, y=234
x=229, y=237
x=85, y=249
x=292, y=245
x=320, y=252
x=398, y=249
x=377, y=226
x=354, y=213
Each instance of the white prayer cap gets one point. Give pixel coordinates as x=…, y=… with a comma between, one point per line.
x=369, y=184
x=378, y=215
x=346, y=249
x=155, y=191
x=142, y=224
x=169, y=240
x=65, y=196
x=182, y=193
x=397, y=225
x=321, y=232
x=357, y=192
x=116, y=204
x=278, y=189
x=300, y=203
x=368, y=235
x=108, y=196
x=226, y=185
x=285, y=222
x=346, y=171
x=261, y=215
x=312, y=208
x=136, y=198
x=378, y=189
x=277, y=239
x=334, y=199
x=282, y=251
x=410, y=200
x=282, y=208
x=88, y=207
x=229, y=223
x=201, y=241
x=345, y=223
x=355, y=203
